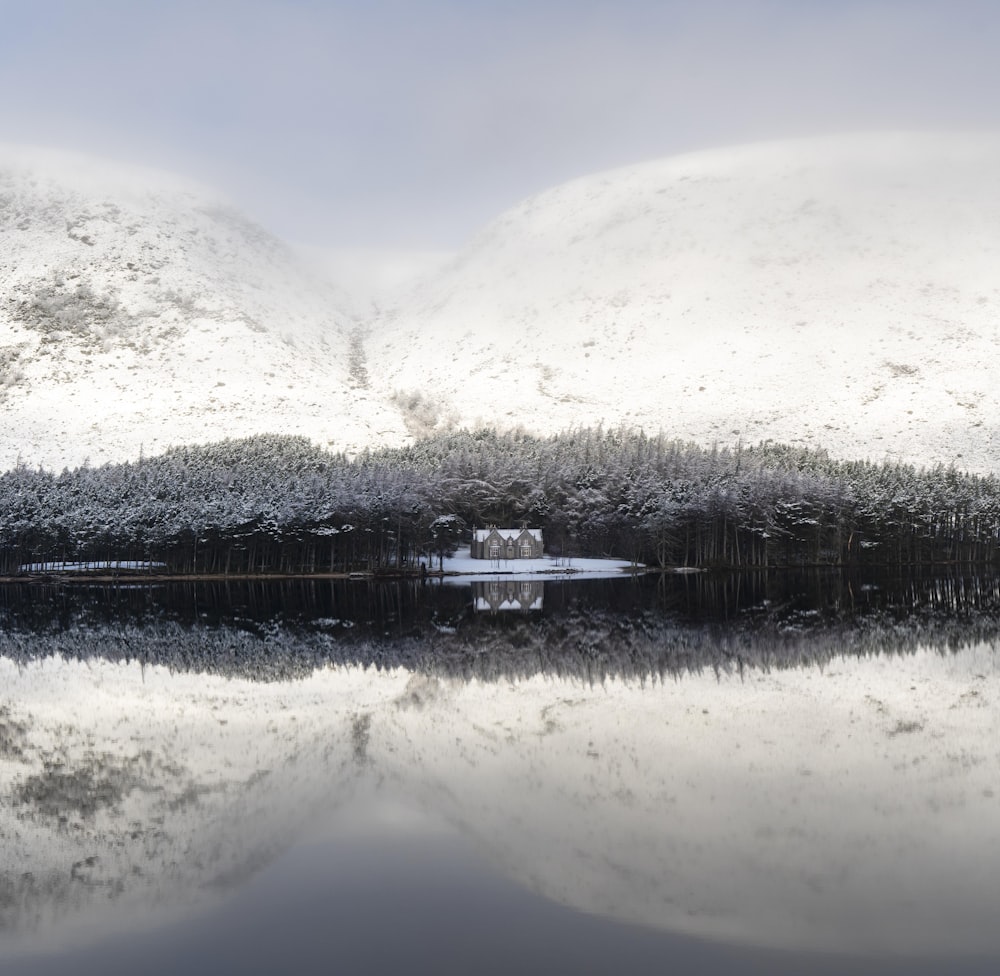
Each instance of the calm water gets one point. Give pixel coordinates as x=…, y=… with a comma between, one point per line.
x=390, y=904
x=630, y=627
x=779, y=773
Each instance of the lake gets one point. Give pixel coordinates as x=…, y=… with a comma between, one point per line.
x=767, y=773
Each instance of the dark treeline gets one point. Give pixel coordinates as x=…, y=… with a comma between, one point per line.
x=646, y=629
x=280, y=504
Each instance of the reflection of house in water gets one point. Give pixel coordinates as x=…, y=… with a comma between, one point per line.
x=507, y=594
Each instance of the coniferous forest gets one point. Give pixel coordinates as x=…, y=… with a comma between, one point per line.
x=283, y=505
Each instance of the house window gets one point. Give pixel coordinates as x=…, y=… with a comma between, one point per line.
x=494, y=552
x=526, y=550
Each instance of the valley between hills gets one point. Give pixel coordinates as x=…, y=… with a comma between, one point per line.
x=835, y=293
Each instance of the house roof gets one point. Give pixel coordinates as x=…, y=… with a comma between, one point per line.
x=481, y=535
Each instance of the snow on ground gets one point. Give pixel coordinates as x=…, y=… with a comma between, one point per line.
x=837, y=292
x=112, y=564
x=139, y=312
x=471, y=570
x=854, y=805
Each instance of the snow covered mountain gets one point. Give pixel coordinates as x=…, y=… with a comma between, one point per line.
x=137, y=311
x=837, y=292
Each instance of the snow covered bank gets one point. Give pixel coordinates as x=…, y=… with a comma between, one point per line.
x=115, y=565
x=470, y=569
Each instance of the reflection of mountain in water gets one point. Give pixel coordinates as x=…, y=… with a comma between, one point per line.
x=847, y=807
x=629, y=628
x=494, y=596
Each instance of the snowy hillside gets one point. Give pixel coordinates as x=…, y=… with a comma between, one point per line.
x=137, y=312
x=837, y=292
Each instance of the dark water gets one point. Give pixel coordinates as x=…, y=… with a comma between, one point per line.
x=628, y=627
x=359, y=893
x=398, y=904
x=395, y=606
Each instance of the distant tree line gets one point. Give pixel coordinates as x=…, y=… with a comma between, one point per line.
x=281, y=504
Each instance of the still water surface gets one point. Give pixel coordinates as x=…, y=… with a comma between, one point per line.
x=767, y=774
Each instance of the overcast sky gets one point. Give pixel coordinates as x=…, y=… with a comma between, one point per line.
x=410, y=123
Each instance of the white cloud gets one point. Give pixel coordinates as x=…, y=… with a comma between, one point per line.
x=392, y=122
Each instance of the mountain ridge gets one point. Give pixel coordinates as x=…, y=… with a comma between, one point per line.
x=139, y=311
x=836, y=292
x=774, y=291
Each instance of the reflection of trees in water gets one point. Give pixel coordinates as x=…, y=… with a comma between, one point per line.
x=590, y=631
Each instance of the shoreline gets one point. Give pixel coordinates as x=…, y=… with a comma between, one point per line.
x=358, y=577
